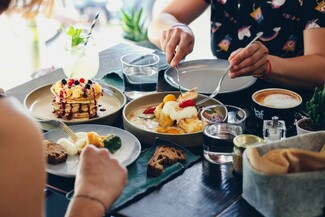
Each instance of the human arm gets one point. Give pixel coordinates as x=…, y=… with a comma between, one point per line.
x=21, y=156
x=177, y=13
x=99, y=176
x=304, y=72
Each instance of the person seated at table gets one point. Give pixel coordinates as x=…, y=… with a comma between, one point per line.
x=291, y=51
x=99, y=181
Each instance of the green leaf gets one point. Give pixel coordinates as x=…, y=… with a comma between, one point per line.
x=138, y=17
x=75, y=35
x=132, y=12
x=125, y=17
x=315, y=108
x=112, y=143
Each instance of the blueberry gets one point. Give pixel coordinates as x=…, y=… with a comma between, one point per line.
x=90, y=81
x=64, y=82
x=76, y=82
x=87, y=86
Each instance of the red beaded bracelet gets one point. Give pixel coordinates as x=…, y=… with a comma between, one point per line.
x=270, y=67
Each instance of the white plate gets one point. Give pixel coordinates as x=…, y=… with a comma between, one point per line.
x=205, y=75
x=39, y=103
x=126, y=155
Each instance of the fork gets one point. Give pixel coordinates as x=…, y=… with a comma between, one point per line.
x=178, y=80
x=62, y=125
x=68, y=131
x=217, y=90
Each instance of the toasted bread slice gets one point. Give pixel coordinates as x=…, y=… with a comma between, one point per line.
x=164, y=156
x=54, y=153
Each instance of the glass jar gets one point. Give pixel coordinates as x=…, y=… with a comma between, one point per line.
x=241, y=142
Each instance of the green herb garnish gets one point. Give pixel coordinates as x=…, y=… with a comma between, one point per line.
x=75, y=35
x=112, y=143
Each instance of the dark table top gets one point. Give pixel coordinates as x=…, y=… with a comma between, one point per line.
x=204, y=189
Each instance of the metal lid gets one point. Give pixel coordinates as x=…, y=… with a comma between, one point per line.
x=244, y=140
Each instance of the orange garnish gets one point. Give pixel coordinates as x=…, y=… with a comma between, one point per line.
x=169, y=97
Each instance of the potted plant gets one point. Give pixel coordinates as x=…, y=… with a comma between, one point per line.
x=315, y=108
x=133, y=26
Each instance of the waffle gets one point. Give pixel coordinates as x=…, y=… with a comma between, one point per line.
x=76, y=98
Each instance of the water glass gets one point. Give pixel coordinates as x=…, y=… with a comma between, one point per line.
x=224, y=113
x=236, y=115
x=140, y=73
x=213, y=114
x=218, y=142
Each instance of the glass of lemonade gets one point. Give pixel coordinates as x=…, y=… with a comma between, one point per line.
x=140, y=73
x=80, y=61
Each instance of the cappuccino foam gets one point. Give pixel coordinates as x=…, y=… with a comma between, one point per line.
x=280, y=101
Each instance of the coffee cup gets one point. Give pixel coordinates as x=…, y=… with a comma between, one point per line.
x=278, y=102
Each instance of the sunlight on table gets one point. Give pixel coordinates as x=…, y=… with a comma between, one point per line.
x=23, y=49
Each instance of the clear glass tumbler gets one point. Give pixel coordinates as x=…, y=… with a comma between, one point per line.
x=218, y=142
x=140, y=73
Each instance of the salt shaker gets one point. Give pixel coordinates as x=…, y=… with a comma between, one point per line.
x=274, y=129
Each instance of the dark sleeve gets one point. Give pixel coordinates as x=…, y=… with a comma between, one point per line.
x=208, y=1
x=314, y=14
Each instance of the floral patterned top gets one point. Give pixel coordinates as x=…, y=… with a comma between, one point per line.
x=234, y=23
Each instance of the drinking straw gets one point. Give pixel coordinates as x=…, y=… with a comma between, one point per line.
x=85, y=43
x=91, y=28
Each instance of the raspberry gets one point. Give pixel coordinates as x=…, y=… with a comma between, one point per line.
x=70, y=83
x=82, y=80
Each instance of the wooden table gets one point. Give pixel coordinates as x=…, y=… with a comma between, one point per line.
x=204, y=189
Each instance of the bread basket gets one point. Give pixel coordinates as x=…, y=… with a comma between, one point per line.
x=294, y=194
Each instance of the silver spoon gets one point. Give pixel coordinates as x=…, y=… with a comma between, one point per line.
x=217, y=90
x=178, y=81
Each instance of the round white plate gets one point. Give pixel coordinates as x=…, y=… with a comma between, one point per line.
x=126, y=155
x=39, y=103
x=205, y=75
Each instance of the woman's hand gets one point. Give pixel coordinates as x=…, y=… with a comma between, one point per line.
x=99, y=175
x=252, y=60
x=177, y=42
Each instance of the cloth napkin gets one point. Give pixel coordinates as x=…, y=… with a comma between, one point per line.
x=139, y=183
x=115, y=77
x=288, y=160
